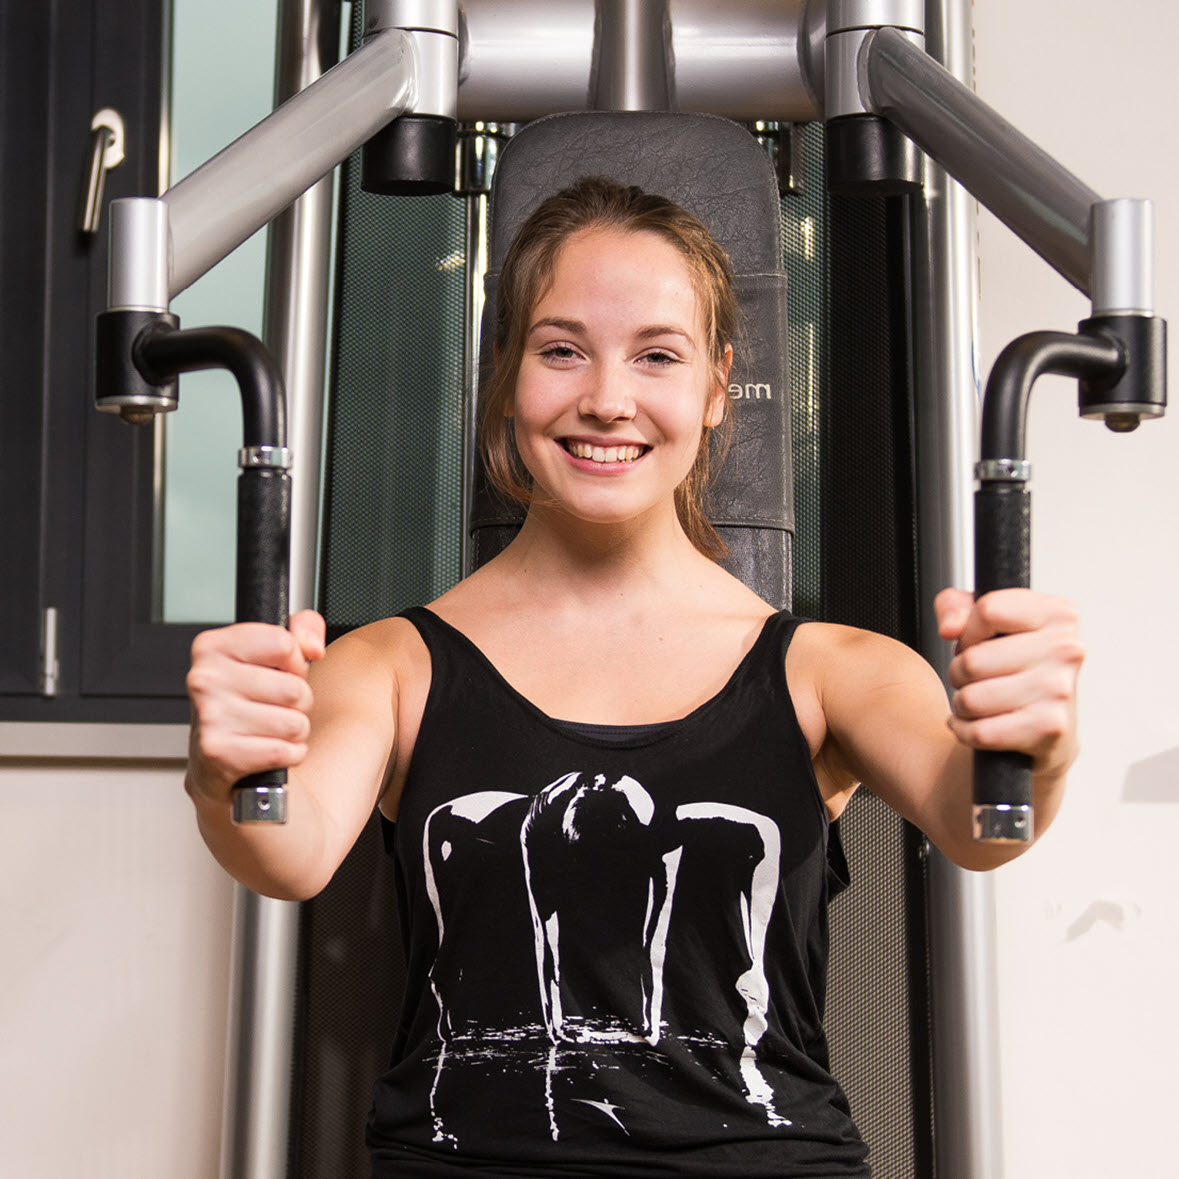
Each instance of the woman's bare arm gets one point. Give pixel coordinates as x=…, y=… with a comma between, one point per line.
x=889, y=725
x=258, y=703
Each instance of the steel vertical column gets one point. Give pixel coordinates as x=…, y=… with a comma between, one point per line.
x=966, y=1098
x=256, y=1124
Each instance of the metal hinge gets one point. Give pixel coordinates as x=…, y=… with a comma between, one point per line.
x=50, y=668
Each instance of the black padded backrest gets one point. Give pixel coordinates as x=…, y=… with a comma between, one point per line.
x=717, y=171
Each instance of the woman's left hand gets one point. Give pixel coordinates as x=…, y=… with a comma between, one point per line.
x=1014, y=673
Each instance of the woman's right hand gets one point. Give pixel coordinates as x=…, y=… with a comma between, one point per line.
x=251, y=701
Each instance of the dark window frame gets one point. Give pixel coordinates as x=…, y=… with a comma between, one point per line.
x=77, y=488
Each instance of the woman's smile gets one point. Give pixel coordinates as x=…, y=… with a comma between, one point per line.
x=605, y=453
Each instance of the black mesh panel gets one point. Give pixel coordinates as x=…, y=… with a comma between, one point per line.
x=392, y=534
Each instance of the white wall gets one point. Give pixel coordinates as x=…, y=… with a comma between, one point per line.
x=1089, y=921
x=114, y=940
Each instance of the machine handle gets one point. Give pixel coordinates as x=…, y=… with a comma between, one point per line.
x=1002, y=797
x=263, y=592
x=159, y=352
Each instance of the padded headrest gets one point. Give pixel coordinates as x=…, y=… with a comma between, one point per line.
x=717, y=171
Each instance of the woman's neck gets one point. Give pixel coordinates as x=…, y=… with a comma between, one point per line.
x=568, y=558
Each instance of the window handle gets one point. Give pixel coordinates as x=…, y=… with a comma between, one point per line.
x=106, y=152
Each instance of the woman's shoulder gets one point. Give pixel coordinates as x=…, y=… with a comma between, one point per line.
x=835, y=647
x=389, y=649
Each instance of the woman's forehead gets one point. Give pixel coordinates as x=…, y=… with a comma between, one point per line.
x=624, y=272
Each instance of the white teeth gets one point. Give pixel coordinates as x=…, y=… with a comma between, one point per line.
x=604, y=454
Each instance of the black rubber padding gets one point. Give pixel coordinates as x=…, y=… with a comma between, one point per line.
x=413, y=156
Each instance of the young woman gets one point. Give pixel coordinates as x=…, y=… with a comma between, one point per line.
x=611, y=765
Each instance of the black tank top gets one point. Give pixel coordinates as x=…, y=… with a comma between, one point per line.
x=616, y=938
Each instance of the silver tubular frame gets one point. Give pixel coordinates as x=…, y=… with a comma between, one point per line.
x=255, y=1130
x=1036, y=197
x=632, y=67
x=757, y=59
x=962, y=932
x=327, y=121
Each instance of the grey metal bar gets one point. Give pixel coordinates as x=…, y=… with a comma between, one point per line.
x=968, y=1137
x=966, y=1092
x=632, y=68
x=258, y=1062
x=1030, y=192
x=256, y=1128
x=757, y=59
x=283, y=155
x=298, y=283
x=475, y=235
x=256, y=1125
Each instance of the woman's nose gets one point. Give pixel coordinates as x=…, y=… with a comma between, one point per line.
x=607, y=398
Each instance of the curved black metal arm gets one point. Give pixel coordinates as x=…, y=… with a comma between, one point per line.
x=162, y=352
x=1020, y=365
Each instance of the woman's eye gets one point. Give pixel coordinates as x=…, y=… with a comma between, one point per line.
x=659, y=357
x=558, y=352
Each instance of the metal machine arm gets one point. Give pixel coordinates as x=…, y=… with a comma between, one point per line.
x=159, y=246
x=1104, y=248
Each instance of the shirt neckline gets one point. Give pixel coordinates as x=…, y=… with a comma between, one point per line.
x=644, y=734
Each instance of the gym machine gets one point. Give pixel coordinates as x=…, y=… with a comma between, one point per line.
x=859, y=65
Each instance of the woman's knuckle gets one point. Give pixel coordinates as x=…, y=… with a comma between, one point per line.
x=970, y=660
x=967, y=701
x=988, y=734
x=198, y=681
x=215, y=746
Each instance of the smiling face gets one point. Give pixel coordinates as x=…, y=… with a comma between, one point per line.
x=615, y=385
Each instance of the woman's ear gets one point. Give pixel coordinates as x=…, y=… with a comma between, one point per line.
x=714, y=411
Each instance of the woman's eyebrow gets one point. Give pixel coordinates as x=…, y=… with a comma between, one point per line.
x=573, y=326
x=663, y=329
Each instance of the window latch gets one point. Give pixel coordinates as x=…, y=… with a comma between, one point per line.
x=106, y=152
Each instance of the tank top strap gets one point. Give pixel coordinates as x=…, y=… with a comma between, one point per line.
x=451, y=652
x=764, y=668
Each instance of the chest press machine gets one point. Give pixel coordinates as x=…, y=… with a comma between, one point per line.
x=859, y=65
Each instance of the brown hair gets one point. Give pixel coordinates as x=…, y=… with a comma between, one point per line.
x=599, y=203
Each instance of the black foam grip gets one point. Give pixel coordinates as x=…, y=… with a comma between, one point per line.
x=1002, y=560
x=1002, y=537
x=263, y=569
x=263, y=545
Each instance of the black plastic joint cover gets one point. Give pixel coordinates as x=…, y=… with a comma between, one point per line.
x=869, y=156
x=413, y=156
x=119, y=381
x=1141, y=388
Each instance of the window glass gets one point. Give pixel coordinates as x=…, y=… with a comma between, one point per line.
x=222, y=83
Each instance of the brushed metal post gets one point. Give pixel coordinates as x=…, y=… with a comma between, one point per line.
x=962, y=939
x=256, y=1123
